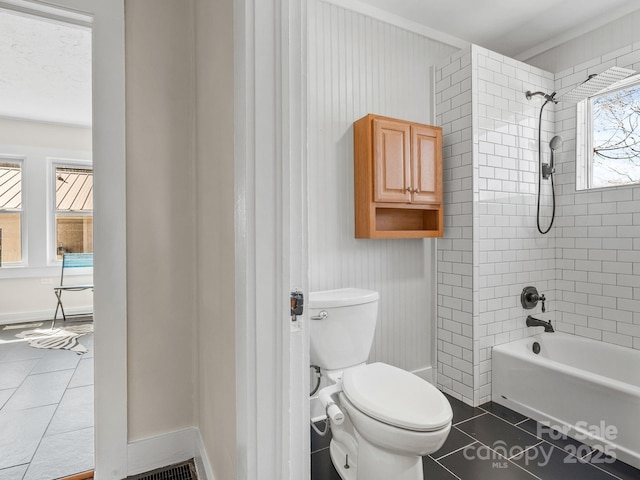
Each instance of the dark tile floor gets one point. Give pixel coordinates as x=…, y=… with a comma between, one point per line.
x=492, y=442
x=46, y=408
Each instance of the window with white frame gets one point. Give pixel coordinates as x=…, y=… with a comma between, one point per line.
x=10, y=212
x=73, y=209
x=609, y=137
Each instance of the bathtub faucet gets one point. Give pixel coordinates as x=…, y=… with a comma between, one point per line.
x=535, y=322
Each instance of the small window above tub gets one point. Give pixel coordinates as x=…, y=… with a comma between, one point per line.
x=608, y=137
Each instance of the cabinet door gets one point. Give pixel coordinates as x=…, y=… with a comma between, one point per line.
x=391, y=161
x=426, y=165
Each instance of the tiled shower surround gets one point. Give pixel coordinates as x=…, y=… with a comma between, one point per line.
x=598, y=234
x=588, y=266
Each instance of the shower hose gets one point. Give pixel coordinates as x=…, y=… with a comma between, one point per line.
x=553, y=190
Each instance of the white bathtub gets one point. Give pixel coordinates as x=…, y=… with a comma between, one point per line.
x=587, y=389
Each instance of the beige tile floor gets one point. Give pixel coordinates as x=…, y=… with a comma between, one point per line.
x=46, y=409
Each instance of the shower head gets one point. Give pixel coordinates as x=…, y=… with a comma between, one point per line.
x=555, y=143
x=548, y=169
x=595, y=83
x=547, y=97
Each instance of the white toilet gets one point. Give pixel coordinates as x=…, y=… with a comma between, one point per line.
x=387, y=417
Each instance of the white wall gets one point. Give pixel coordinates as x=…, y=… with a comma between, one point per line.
x=160, y=220
x=598, y=260
x=598, y=269
x=456, y=295
x=587, y=266
x=359, y=65
x=491, y=249
x=512, y=254
x=215, y=235
x=617, y=36
x=47, y=135
x=26, y=292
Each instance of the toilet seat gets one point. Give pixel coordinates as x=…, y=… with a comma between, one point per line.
x=396, y=397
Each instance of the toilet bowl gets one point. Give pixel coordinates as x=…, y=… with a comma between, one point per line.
x=389, y=418
x=392, y=419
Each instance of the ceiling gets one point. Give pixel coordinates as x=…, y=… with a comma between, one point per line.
x=45, y=70
x=50, y=74
x=516, y=28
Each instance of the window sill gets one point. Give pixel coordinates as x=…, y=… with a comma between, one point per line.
x=607, y=188
x=21, y=271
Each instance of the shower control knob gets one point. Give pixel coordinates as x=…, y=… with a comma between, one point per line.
x=529, y=297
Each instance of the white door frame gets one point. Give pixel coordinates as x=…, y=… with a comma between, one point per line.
x=110, y=247
x=294, y=73
x=271, y=226
x=110, y=296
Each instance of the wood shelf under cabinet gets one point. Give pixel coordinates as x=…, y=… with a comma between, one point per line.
x=406, y=222
x=398, y=179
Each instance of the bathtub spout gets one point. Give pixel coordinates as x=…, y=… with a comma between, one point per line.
x=534, y=322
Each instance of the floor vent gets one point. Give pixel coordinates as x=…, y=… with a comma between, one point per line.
x=180, y=471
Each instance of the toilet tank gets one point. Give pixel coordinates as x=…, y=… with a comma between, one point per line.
x=343, y=338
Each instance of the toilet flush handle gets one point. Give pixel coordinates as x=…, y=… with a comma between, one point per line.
x=321, y=316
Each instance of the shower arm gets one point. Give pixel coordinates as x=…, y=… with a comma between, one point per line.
x=548, y=97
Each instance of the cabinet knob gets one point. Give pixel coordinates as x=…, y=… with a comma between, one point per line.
x=408, y=189
x=416, y=190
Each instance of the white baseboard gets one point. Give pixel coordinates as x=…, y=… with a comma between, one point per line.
x=40, y=315
x=167, y=449
x=203, y=466
x=425, y=373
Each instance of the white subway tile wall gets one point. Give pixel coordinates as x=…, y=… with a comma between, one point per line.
x=598, y=248
x=456, y=299
x=491, y=249
x=588, y=266
x=359, y=65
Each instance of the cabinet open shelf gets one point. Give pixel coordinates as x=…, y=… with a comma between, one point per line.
x=394, y=222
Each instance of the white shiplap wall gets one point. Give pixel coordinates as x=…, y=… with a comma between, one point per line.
x=360, y=65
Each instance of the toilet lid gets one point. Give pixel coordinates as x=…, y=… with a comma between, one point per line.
x=396, y=397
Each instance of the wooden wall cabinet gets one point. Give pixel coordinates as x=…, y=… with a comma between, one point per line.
x=398, y=178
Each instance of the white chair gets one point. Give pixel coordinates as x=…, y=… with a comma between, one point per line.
x=69, y=261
